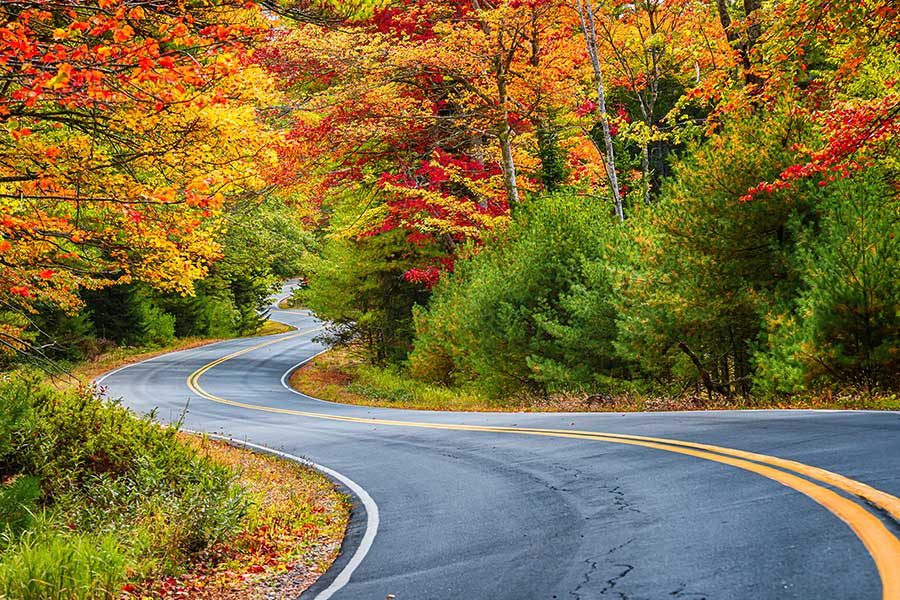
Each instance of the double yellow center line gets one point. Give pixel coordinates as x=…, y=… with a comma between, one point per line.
x=877, y=538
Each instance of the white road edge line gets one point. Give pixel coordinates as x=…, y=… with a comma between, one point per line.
x=286, y=385
x=372, y=518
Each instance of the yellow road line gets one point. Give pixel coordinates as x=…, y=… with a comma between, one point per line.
x=880, y=542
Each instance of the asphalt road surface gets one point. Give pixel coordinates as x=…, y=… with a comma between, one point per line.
x=567, y=506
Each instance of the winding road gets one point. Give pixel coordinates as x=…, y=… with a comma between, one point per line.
x=561, y=506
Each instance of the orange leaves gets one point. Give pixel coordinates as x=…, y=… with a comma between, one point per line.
x=123, y=33
x=113, y=128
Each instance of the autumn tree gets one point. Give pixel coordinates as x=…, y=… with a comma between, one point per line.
x=434, y=108
x=658, y=54
x=128, y=128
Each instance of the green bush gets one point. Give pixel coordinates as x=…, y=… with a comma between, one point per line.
x=18, y=501
x=532, y=311
x=209, y=312
x=114, y=489
x=64, y=336
x=359, y=286
x=130, y=315
x=56, y=566
x=843, y=327
x=704, y=267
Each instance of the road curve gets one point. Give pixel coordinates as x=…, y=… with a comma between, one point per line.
x=576, y=506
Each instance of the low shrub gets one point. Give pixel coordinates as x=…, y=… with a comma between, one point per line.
x=49, y=565
x=95, y=494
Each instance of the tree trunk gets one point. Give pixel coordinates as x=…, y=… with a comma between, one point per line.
x=743, y=46
x=586, y=12
x=708, y=382
x=504, y=136
x=509, y=167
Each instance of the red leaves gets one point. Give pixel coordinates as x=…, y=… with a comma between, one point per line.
x=851, y=133
x=586, y=108
x=409, y=21
x=428, y=276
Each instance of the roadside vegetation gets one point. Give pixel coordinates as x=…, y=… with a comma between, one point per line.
x=724, y=233
x=496, y=205
x=98, y=503
x=346, y=376
x=674, y=199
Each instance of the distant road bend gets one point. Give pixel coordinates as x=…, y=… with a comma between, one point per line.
x=562, y=506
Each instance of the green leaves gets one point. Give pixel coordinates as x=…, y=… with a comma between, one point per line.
x=843, y=325
x=532, y=311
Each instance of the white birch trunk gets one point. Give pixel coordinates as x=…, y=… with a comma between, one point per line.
x=586, y=12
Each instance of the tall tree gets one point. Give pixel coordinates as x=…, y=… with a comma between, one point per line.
x=589, y=31
x=126, y=129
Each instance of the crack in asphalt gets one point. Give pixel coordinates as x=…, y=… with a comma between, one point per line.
x=620, y=546
x=613, y=581
x=573, y=472
x=619, y=500
x=682, y=593
x=592, y=567
x=610, y=583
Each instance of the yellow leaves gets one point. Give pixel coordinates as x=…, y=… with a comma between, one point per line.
x=62, y=77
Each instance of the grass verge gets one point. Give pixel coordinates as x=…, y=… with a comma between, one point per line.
x=97, y=503
x=271, y=327
x=342, y=375
x=291, y=534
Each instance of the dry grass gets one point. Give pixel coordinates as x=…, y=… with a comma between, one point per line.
x=341, y=375
x=291, y=535
x=271, y=327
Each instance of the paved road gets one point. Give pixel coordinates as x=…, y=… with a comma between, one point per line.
x=480, y=512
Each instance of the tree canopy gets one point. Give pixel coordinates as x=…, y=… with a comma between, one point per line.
x=393, y=150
